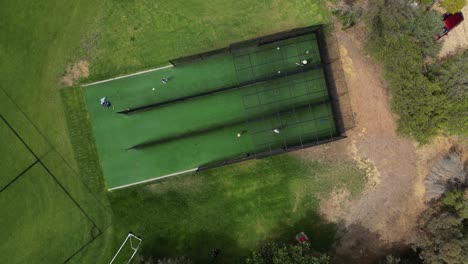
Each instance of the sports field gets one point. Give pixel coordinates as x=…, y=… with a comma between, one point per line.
x=234, y=208
x=50, y=210
x=195, y=118
x=42, y=199
x=41, y=223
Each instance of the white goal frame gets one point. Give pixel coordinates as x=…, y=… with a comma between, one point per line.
x=135, y=249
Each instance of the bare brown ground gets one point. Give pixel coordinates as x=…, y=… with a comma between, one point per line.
x=385, y=215
x=75, y=72
x=457, y=39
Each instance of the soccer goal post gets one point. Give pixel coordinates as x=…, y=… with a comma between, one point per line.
x=128, y=248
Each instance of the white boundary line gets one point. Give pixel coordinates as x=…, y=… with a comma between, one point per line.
x=129, y=236
x=152, y=179
x=128, y=75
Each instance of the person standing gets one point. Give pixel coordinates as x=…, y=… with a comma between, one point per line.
x=104, y=102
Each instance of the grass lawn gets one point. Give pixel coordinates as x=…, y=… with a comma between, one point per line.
x=44, y=203
x=38, y=39
x=145, y=34
x=44, y=219
x=40, y=222
x=234, y=208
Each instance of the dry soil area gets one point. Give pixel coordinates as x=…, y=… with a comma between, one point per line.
x=385, y=215
x=75, y=72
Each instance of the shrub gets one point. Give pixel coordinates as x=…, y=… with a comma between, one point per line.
x=453, y=6
x=450, y=74
x=347, y=13
x=441, y=238
x=274, y=253
x=448, y=173
x=428, y=99
x=426, y=25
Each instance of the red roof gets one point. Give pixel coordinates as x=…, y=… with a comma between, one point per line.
x=453, y=20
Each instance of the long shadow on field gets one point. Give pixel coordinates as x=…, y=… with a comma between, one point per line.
x=321, y=234
x=357, y=244
x=259, y=117
x=198, y=247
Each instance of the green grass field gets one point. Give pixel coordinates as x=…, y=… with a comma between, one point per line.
x=39, y=221
x=38, y=40
x=144, y=35
x=44, y=202
x=234, y=208
x=34, y=219
x=185, y=135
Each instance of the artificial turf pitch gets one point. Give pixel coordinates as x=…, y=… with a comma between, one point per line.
x=181, y=136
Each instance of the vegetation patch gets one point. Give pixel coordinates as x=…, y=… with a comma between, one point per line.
x=234, y=209
x=400, y=38
x=452, y=6
x=448, y=173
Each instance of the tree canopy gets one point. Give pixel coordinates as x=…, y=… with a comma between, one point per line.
x=428, y=98
x=453, y=6
x=442, y=237
x=274, y=253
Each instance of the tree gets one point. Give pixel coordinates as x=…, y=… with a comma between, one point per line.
x=449, y=173
x=274, y=253
x=457, y=202
x=409, y=257
x=442, y=237
x=443, y=227
x=425, y=26
x=453, y=6
x=151, y=260
x=427, y=98
x=450, y=74
x=347, y=12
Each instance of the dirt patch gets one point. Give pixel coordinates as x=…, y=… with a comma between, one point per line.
x=457, y=39
x=387, y=204
x=334, y=206
x=75, y=72
x=396, y=167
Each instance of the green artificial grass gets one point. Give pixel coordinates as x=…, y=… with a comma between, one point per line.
x=185, y=135
x=234, y=208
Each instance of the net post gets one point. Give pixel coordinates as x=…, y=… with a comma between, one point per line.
x=129, y=237
x=118, y=251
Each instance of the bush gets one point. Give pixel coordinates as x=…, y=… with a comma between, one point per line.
x=452, y=6
x=274, y=253
x=347, y=18
x=151, y=260
x=447, y=174
x=401, y=38
x=426, y=25
x=442, y=236
x=347, y=13
x=451, y=76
